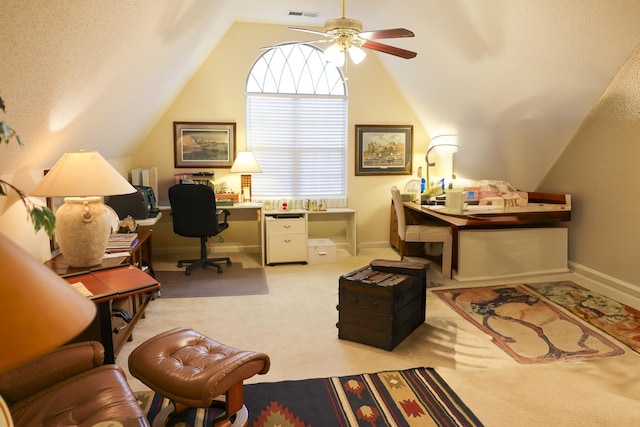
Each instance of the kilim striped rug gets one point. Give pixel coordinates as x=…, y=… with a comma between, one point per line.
x=414, y=397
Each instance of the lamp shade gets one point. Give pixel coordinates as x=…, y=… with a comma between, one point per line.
x=356, y=54
x=334, y=54
x=39, y=311
x=245, y=163
x=82, y=174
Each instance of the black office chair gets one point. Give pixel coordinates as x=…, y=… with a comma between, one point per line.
x=194, y=212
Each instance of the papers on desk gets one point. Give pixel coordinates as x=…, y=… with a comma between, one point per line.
x=248, y=205
x=484, y=208
x=116, y=254
x=496, y=209
x=80, y=287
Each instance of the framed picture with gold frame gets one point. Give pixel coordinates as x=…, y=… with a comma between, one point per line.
x=384, y=149
x=204, y=144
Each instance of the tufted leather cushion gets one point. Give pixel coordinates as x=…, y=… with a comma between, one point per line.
x=192, y=369
x=94, y=396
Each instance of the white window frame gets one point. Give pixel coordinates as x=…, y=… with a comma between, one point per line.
x=297, y=126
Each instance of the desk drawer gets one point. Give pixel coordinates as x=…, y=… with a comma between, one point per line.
x=286, y=226
x=287, y=248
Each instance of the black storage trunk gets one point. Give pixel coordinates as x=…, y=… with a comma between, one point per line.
x=381, y=304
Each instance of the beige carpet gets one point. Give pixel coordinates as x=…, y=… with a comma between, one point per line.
x=295, y=325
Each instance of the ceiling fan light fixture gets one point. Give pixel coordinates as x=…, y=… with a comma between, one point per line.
x=356, y=54
x=334, y=54
x=347, y=36
x=341, y=26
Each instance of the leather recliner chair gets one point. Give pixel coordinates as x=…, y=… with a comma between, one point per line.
x=70, y=386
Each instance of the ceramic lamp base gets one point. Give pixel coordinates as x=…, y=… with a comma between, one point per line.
x=82, y=230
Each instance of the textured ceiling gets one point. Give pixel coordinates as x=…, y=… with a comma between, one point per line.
x=513, y=78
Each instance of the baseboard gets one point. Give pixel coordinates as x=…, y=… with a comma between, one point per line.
x=508, y=276
x=363, y=245
x=212, y=250
x=221, y=249
x=624, y=292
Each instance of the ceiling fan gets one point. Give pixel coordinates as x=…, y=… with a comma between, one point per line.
x=347, y=36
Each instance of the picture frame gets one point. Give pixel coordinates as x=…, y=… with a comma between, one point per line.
x=204, y=144
x=53, y=203
x=384, y=149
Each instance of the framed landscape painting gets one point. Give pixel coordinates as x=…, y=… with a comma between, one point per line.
x=204, y=144
x=384, y=150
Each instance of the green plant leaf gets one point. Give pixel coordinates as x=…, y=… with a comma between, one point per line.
x=42, y=217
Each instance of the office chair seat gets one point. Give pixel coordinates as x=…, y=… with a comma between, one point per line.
x=194, y=213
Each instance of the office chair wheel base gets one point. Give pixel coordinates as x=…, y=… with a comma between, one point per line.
x=228, y=262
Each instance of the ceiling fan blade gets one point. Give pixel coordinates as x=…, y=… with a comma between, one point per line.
x=391, y=50
x=291, y=43
x=391, y=33
x=307, y=30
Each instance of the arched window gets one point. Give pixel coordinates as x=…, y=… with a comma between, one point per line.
x=297, y=125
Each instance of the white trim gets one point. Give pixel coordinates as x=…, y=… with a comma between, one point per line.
x=619, y=290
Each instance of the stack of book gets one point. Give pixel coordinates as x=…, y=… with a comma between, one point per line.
x=122, y=241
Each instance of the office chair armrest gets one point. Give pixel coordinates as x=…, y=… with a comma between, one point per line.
x=226, y=214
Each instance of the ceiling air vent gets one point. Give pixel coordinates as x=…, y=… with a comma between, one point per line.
x=304, y=14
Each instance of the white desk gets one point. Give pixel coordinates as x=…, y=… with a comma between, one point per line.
x=350, y=242
x=340, y=214
x=492, y=242
x=255, y=212
x=149, y=221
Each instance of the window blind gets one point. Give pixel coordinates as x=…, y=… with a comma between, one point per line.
x=300, y=144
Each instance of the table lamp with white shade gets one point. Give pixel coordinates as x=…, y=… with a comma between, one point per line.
x=39, y=310
x=82, y=222
x=245, y=164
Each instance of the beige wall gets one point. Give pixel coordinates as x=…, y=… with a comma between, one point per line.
x=217, y=93
x=600, y=168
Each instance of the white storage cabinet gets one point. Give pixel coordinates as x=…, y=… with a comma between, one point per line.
x=286, y=238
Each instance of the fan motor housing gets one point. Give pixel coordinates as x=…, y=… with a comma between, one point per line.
x=343, y=25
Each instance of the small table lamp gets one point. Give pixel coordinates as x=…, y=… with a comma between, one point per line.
x=82, y=222
x=39, y=310
x=245, y=164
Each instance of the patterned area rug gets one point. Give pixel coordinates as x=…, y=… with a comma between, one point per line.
x=414, y=397
x=618, y=320
x=207, y=282
x=526, y=326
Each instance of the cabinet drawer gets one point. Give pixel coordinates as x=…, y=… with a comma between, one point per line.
x=285, y=226
x=287, y=248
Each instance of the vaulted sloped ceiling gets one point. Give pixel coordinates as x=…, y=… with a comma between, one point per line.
x=513, y=78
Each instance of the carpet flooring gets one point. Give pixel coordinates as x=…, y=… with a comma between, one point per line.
x=526, y=326
x=413, y=397
x=207, y=282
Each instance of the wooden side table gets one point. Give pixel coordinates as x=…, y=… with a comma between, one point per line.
x=140, y=256
x=121, y=287
x=116, y=288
